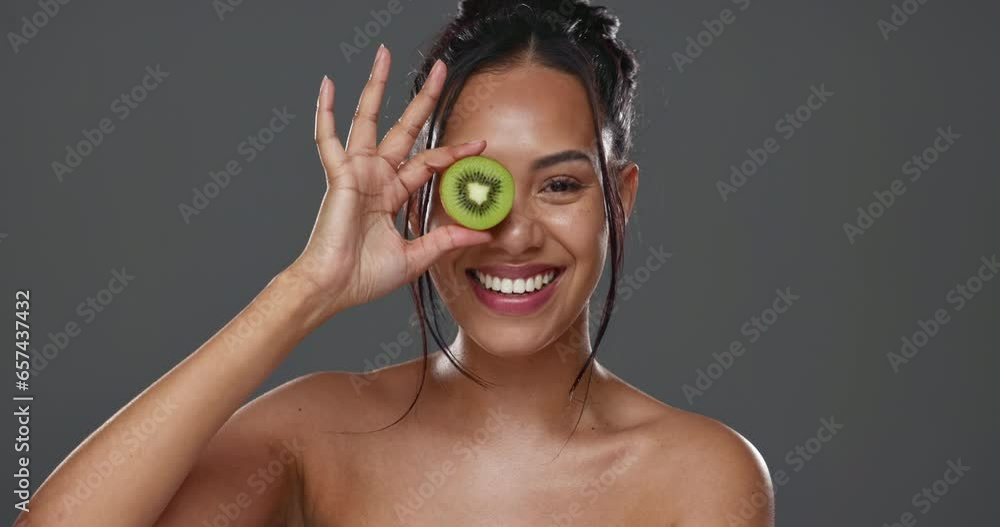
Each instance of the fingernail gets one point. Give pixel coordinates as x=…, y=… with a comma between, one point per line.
x=436, y=69
x=379, y=53
x=322, y=85
x=470, y=143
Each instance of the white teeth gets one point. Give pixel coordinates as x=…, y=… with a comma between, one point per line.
x=515, y=286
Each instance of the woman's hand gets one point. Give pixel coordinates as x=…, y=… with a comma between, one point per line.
x=355, y=254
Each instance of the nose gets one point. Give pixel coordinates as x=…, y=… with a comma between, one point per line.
x=521, y=231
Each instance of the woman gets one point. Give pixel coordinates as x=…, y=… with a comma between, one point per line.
x=514, y=422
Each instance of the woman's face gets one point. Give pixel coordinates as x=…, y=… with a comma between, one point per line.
x=537, y=122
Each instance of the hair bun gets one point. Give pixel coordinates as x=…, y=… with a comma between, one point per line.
x=599, y=21
x=578, y=14
x=472, y=9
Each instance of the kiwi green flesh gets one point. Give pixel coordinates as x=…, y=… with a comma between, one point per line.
x=473, y=192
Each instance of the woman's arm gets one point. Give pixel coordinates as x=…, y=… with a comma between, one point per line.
x=159, y=449
x=126, y=473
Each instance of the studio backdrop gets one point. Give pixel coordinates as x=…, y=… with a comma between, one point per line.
x=812, y=259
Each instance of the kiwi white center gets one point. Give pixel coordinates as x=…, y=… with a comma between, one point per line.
x=478, y=193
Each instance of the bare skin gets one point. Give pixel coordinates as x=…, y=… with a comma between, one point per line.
x=632, y=461
x=464, y=455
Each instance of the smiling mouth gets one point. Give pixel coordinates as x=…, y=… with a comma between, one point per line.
x=515, y=286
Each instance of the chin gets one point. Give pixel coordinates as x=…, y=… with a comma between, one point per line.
x=508, y=340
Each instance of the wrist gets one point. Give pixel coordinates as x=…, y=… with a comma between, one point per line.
x=312, y=303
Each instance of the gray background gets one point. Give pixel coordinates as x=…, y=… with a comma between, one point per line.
x=825, y=357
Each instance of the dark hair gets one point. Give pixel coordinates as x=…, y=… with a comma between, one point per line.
x=567, y=35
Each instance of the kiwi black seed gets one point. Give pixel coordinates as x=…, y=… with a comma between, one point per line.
x=478, y=192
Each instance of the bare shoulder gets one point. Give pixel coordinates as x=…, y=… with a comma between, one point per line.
x=325, y=400
x=709, y=474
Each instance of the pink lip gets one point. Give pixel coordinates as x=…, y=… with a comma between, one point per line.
x=522, y=304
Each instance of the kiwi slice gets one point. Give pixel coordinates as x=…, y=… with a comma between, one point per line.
x=478, y=192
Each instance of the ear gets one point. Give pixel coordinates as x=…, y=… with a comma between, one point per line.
x=628, y=185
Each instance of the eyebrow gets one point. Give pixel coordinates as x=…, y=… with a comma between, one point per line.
x=560, y=157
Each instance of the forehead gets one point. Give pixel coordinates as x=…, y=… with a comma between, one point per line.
x=523, y=112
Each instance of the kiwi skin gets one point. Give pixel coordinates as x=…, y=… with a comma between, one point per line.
x=471, y=170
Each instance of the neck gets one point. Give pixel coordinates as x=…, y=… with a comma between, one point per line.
x=533, y=389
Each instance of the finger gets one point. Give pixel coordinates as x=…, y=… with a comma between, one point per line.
x=364, y=129
x=331, y=152
x=416, y=171
x=399, y=140
x=422, y=252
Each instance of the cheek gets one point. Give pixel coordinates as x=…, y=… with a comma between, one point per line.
x=448, y=283
x=583, y=229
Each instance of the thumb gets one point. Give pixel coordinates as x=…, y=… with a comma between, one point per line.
x=422, y=252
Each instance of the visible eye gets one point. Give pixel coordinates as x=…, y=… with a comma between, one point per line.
x=563, y=184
